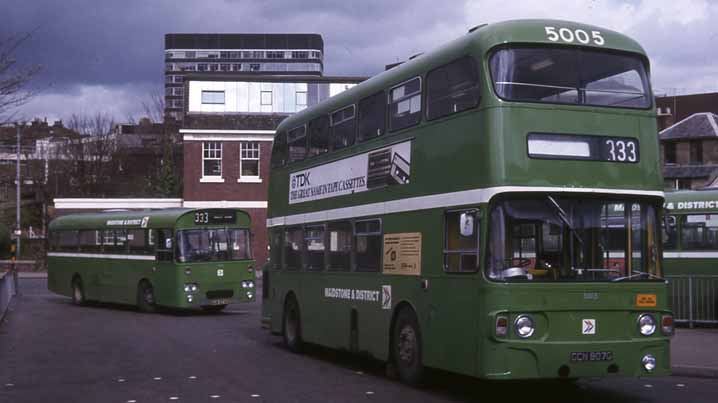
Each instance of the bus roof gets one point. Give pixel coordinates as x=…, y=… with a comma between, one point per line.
x=165, y=218
x=477, y=42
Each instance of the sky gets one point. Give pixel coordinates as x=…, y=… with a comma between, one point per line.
x=108, y=56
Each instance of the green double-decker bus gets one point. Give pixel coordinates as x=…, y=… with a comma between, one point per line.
x=176, y=258
x=490, y=208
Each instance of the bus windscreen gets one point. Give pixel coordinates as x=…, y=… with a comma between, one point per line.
x=203, y=245
x=570, y=76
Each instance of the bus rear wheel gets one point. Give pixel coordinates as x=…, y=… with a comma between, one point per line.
x=146, y=297
x=78, y=293
x=406, y=347
x=292, y=325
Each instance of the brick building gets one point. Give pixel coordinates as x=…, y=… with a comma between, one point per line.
x=227, y=134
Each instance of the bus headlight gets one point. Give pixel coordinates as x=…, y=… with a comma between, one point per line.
x=524, y=326
x=667, y=325
x=649, y=362
x=191, y=287
x=646, y=324
x=247, y=284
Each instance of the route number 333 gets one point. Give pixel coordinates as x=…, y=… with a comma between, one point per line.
x=577, y=35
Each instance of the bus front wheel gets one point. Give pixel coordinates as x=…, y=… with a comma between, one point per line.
x=406, y=347
x=292, y=325
x=78, y=293
x=146, y=297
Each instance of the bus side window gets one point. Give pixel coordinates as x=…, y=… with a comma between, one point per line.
x=88, y=241
x=405, y=105
x=276, y=249
x=279, y=151
x=670, y=233
x=318, y=136
x=452, y=88
x=344, y=126
x=297, y=143
x=67, y=241
x=293, y=248
x=164, y=244
x=371, y=117
x=699, y=232
x=368, y=241
x=314, y=247
x=340, y=246
x=138, y=242
x=461, y=245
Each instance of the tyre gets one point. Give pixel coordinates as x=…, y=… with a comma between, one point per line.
x=78, y=292
x=213, y=308
x=406, y=347
x=146, y=297
x=292, y=325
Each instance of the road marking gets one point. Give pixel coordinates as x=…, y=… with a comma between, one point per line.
x=255, y=395
x=174, y=398
x=648, y=385
x=121, y=380
x=9, y=385
x=369, y=392
x=192, y=377
x=214, y=396
x=359, y=373
x=681, y=385
x=132, y=401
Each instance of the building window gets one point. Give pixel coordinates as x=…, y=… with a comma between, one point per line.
x=212, y=159
x=669, y=149
x=190, y=54
x=301, y=99
x=266, y=97
x=237, y=67
x=300, y=54
x=202, y=67
x=224, y=67
x=683, y=184
x=213, y=67
x=316, y=55
x=224, y=55
x=249, y=160
x=275, y=54
x=254, y=67
x=213, y=97
x=696, y=152
x=234, y=55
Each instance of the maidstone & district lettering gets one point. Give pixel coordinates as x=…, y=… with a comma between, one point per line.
x=352, y=295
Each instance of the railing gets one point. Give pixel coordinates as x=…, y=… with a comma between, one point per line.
x=8, y=289
x=694, y=299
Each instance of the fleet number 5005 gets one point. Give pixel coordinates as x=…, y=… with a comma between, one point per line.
x=567, y=35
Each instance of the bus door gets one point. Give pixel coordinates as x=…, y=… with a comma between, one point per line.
x=165, y=273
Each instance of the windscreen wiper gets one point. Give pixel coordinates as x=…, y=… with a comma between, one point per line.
x=635, y=274
x=560, y=213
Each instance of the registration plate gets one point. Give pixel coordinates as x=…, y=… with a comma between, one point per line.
x=219, y=302
x=581, y=356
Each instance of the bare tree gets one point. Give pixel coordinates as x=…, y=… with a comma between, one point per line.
x=154, y=108
x=14, y=79
x=90, y=158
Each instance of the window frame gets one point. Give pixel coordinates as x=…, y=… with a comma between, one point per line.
x=382, y=97
x=446, y=251
x=305, y=256
x=303, y=136
x=242, y=158
x=280, y=140
x=206, y=177
x=333, y=142
x=477, y=86
x=213, y=93
x=390, y=103
x=355, y=252
x=310, y=135
x=331, y=225
x=285, y=266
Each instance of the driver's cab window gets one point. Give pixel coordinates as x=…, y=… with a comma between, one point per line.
x=461, y=249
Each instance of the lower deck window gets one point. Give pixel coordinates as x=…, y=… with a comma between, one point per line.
x=293, y=248
x=314, y=245
x=368, y=239
x=340, y=245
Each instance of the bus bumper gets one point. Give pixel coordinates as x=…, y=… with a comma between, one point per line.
x=534, y=360
x=196, y=300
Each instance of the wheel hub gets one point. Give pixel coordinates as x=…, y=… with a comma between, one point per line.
x=407, y=344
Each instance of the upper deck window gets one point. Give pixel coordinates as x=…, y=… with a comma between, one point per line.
x=570, y=76
x=297, y=141
x=452, y=88
x=344, y=127
x=405, y=104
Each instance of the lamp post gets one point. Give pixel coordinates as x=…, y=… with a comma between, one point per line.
x=18, y=229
